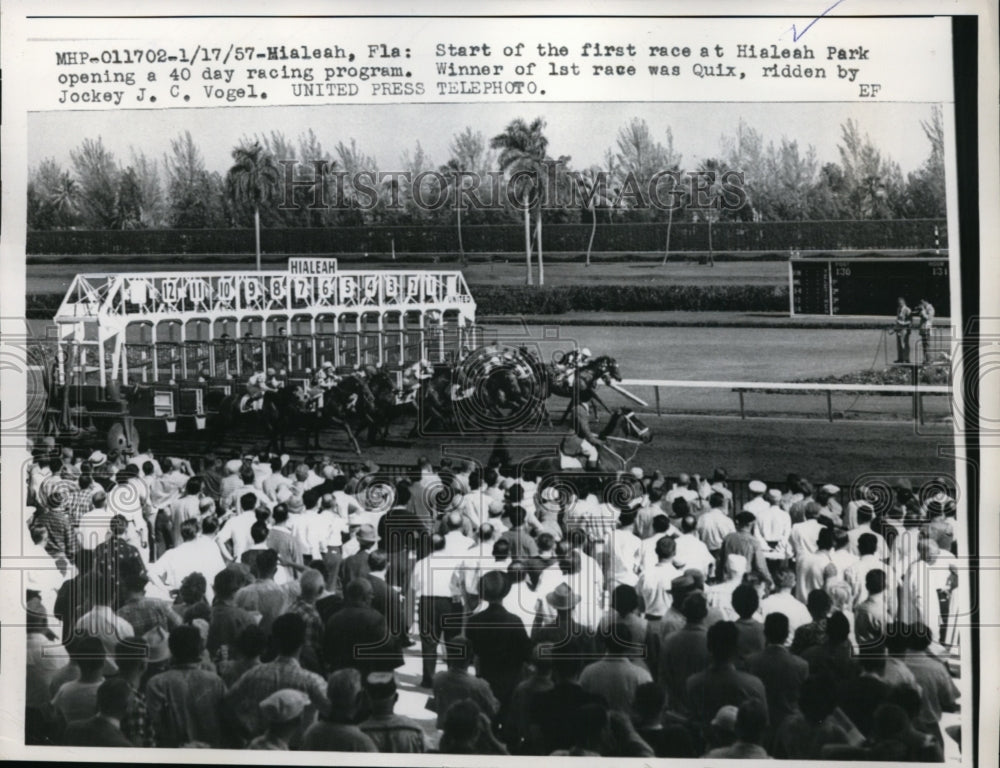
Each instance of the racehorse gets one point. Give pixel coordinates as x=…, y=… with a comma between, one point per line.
x=384, y=404
x=603, y=368
x=609, y=461
x=435, y=408
x=272, y=415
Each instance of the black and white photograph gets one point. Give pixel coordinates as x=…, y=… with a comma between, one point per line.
x=454, y=390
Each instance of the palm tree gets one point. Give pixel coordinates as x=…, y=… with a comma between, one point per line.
x=592, y=186
x=252, y=181
x=522, y=152
x=452, y=171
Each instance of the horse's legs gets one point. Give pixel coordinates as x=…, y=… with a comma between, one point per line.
x=351, y=437
x=610, y=426
x=594, y=398
x=569, y=407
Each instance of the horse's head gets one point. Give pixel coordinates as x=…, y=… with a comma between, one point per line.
x=606, y=368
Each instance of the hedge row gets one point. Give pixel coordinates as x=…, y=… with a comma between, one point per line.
x=558, y=300
x=528, y=300
x=767, y=236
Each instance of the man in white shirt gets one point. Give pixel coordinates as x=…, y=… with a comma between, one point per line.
x=274, y=481
x=261, y=468
x=346, y=505
x=236, y=531
x=691, y=551
x=715, y=525
x=626, y=551
x=654, y=586
x=194, y=553
x=783, y=601
x=661, y=527
x=437, y=586
x=804, y=535
x=757, y=503
x=246, y=478
x=811, y=567
x=869, y=560
x=317, y=530
x=927, y=580
x=773, y=528
x=682, y=489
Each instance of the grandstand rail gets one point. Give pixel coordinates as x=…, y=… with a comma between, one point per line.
x=916, y=390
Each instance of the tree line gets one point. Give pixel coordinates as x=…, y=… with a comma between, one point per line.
x=783, y=181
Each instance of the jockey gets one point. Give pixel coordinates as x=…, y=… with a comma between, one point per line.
x=413, y=377
x=325, y=379
x=573, y=361
x=579, y=446
x=259, y=383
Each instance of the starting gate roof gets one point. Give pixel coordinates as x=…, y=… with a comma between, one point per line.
x=116, y=300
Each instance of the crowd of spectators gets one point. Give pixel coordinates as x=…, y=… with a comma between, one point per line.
x=262, y=602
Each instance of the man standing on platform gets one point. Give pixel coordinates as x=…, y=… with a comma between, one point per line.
x=902, y=331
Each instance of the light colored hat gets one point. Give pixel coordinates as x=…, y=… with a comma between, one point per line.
x=233, y=466
x=774, y=494
x=284, y=705
x=736, y=564
x=97, y=458
x=366, y=533
x=637, y=473
x=562, y=598
x=285, y=458
x=157, y=639
x=831, y=488
x=725, y=718
x=756, y=486
x=327, y=364
x=329, y=472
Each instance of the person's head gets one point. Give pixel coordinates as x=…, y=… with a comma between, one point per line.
x=818, y=602
x=458, y=652
x=246, y=476
x=824, y=540
x=266, y=564
x=688, y=524
x=494, y=586
x=815, y=701
x=695, y=607
x=185, y=644
x=837, y=628
x=928, y=550
x=751, y=721
x=359, y=592
x=745, y=520
x=380, y=688
x=226, y=583
x=193, y=588
x=784, y=580
x=288, y=634
x=722, y=639
x=135, y=583
x=248, y=502
x=378, y=561
x=745, y=601
x=311, y=585
x=680, y=507
x=776, y=628
x=343, y=691
x=875, y=581
x=113, y=698
x=131, y=657
x=920, y=636
x=118, y=525
x=716, y=500
x=192, y=487
x=462, y=726
x=666, y=548
x=624, y=600
x=867, y=544
x=258, y=532
x=190, y=529
x=88, y=653
x=650, y=699
x=901, y=302
x=251, y=642
x=501, y=550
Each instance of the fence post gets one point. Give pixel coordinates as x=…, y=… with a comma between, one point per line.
x=743, y=414
x=829, y=405
x=656, y=391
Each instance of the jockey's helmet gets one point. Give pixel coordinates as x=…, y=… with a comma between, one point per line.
x=585, y=352
x=327, y=364
x=271, y=371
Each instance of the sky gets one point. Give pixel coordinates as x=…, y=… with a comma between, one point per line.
x=584, y=131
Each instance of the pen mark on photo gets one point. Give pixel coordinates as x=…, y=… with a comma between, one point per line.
x=796, y=35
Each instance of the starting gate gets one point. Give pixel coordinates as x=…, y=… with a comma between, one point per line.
x=192, y=336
